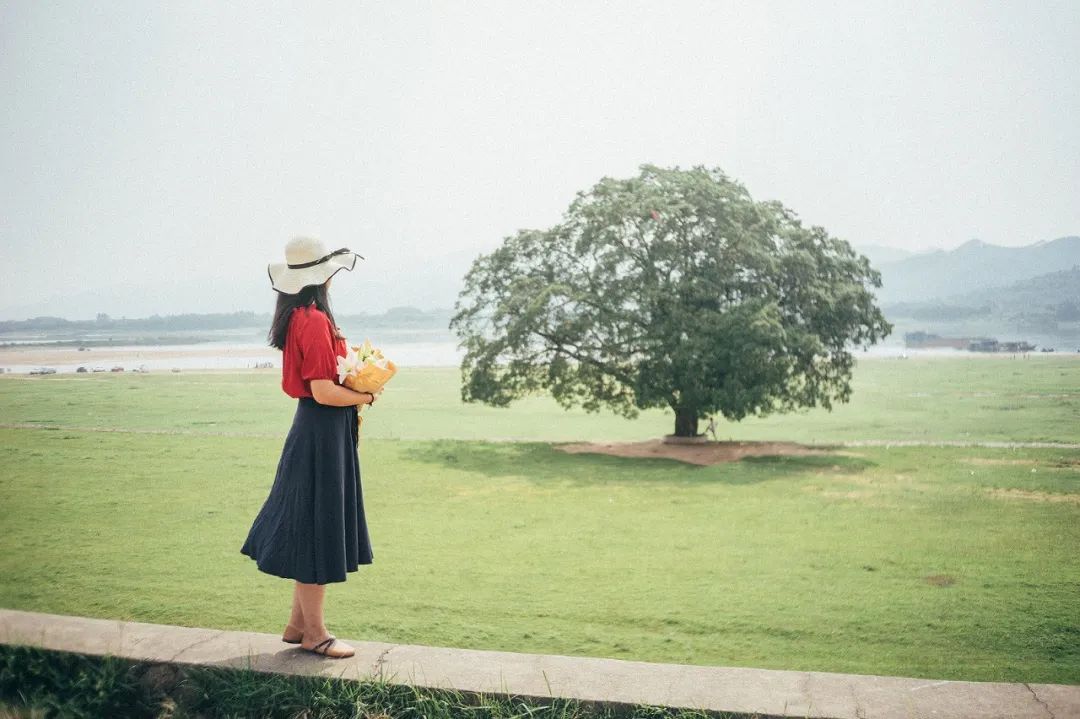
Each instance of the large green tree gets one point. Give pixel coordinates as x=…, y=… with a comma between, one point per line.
x=670, y=289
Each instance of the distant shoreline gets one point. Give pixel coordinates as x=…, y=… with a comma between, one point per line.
x=187, y=370
x=20, y=360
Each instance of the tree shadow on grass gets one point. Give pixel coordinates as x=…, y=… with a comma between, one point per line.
x=543, y=464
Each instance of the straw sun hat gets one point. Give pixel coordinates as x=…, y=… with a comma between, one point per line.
x=308, y=263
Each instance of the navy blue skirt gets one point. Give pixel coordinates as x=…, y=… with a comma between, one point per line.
x=311, y=527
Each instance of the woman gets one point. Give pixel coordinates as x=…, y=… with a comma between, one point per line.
x=311, y=527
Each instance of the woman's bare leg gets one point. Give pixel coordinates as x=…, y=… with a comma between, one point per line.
x=295, y=628
x=311, y=598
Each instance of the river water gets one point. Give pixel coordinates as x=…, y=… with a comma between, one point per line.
x=226, y=350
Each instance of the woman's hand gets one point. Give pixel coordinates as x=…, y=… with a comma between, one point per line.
x=369, y=397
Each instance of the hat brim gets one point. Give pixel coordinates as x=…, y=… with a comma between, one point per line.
x=290, y=280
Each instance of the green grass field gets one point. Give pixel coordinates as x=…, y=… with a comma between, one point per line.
x=939, y=562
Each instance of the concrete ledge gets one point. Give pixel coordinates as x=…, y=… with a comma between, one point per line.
x=613, y=681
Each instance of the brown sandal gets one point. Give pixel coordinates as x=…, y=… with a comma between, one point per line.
x=324, y=646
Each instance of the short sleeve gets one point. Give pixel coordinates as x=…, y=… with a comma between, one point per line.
x=318, y=355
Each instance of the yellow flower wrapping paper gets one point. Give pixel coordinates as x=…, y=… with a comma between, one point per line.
x=370, y=378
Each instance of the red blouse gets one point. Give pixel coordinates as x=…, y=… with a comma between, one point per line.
x=311, y=351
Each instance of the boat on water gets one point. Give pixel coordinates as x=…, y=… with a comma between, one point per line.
x=921, y=340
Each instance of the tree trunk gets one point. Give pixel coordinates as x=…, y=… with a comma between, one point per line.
x=686, y=423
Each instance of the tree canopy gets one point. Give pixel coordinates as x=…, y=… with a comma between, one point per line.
x=670, y=289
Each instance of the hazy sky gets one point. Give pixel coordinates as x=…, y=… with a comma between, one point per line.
x=173, y=150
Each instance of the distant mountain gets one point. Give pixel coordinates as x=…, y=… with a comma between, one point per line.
x=403, y=317
x=880, y=254
x=1049, y=290
x=433, y=281
x=971, y=267
x=1046, y=303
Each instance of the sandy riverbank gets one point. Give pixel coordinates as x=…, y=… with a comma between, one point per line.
x=74, y=377
x=123, y=355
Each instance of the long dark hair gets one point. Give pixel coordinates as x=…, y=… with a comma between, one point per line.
x=317, y=295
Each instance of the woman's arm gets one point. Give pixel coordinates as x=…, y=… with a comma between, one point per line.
x=326, y=391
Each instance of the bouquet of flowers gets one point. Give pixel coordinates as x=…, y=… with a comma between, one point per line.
x=363, y=368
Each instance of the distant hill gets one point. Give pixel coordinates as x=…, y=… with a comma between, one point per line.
x=375, y=285
x=880, y=254
x=920, y=278
x=1043, y=291
x=404, y=317
x=972, y=267
x=1038, y=302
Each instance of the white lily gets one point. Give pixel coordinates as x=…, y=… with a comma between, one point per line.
x=349, y=364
